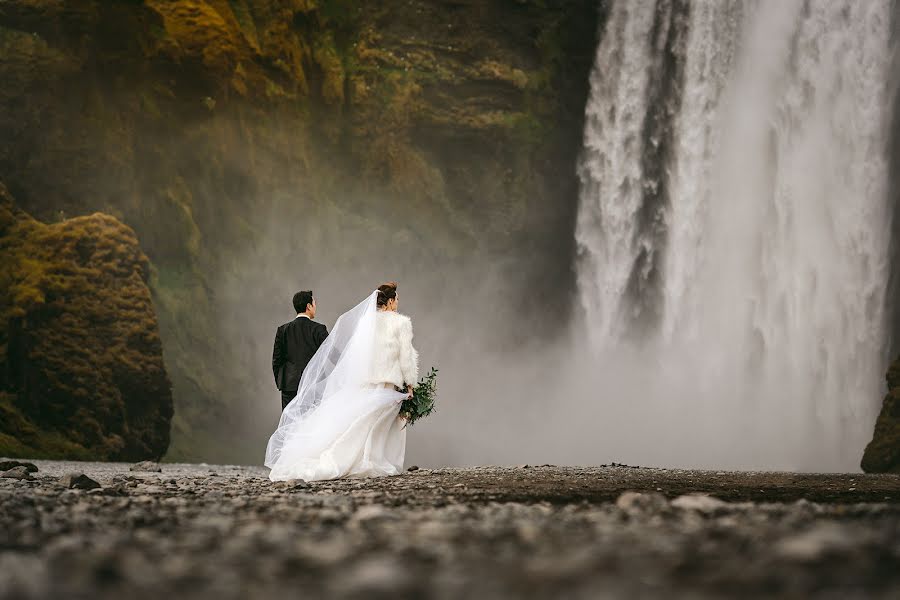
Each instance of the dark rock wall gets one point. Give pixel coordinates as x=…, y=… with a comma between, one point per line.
x=882, y=454
x=83, y=373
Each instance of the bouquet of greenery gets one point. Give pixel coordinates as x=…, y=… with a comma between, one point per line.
x=422, y=402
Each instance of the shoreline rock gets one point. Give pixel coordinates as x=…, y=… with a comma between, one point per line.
x=17, y=473
x=78, y=481
x=10, y=464
x=882, y=454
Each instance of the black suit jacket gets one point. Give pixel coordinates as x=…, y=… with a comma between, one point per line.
x=295, y=344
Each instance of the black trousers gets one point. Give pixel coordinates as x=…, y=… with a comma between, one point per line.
x=286, y=397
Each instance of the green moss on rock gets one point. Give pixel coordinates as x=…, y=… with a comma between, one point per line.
x=83, y=372
x=882, y=454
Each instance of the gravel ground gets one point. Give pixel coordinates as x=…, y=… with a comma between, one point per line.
x=212, y=531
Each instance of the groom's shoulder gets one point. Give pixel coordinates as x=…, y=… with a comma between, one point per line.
x=314, y=324
x=305, y=323
x=289, y=325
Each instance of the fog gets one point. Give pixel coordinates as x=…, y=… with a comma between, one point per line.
x=467, y=323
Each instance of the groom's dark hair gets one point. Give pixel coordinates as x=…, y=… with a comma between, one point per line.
x=302, y=300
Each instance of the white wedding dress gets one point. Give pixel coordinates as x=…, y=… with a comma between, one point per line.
x=344, y=420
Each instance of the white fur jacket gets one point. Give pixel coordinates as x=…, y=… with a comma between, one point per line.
x=396, y=361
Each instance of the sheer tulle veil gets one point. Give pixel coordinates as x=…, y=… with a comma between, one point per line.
x=340, y=364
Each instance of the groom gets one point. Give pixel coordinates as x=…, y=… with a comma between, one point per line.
x=295, y=344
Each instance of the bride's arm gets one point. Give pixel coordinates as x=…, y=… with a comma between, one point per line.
x=409, y=358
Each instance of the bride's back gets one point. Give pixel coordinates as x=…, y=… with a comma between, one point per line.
x=394, y=360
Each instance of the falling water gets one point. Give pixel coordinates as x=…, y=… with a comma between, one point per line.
x=733, y=229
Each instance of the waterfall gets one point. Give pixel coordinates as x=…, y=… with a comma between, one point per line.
x=733, y=227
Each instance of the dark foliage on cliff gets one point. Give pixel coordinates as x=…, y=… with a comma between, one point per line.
x=83, y=374
x=882, y=455
x=246, y=139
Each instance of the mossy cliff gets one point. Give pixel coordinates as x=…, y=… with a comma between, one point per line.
x=83, y=373
x=882, y=454
x=244, y=140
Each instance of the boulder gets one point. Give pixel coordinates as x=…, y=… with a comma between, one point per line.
x=78, y=481
x=6, y=465
x=882, y=454
x=84, y=376
x=17, y=473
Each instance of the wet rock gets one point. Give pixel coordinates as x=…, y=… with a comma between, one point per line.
x=413, y=468
x=17, y=473
x=882, y=453
x=6, y=465
x=289, y=486
x=114, y=490
x=146, y=465
x=78, y=481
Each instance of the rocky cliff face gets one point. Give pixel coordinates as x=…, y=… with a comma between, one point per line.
x=246, y=139
x=882, y=454
x=83, y=373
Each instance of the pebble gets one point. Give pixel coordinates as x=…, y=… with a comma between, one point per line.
x=20, y=472
x=146, y=465
x=78, y=481
x=294, y=484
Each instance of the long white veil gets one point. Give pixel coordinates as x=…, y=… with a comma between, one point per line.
x=340, y=364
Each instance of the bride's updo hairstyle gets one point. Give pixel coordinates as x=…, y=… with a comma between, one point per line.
x=386, y=291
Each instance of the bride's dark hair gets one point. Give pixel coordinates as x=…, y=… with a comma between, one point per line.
x=386, y=291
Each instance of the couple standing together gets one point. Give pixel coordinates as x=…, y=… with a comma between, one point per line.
x=341, y=392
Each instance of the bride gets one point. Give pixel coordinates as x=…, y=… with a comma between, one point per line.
x=344, y=420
